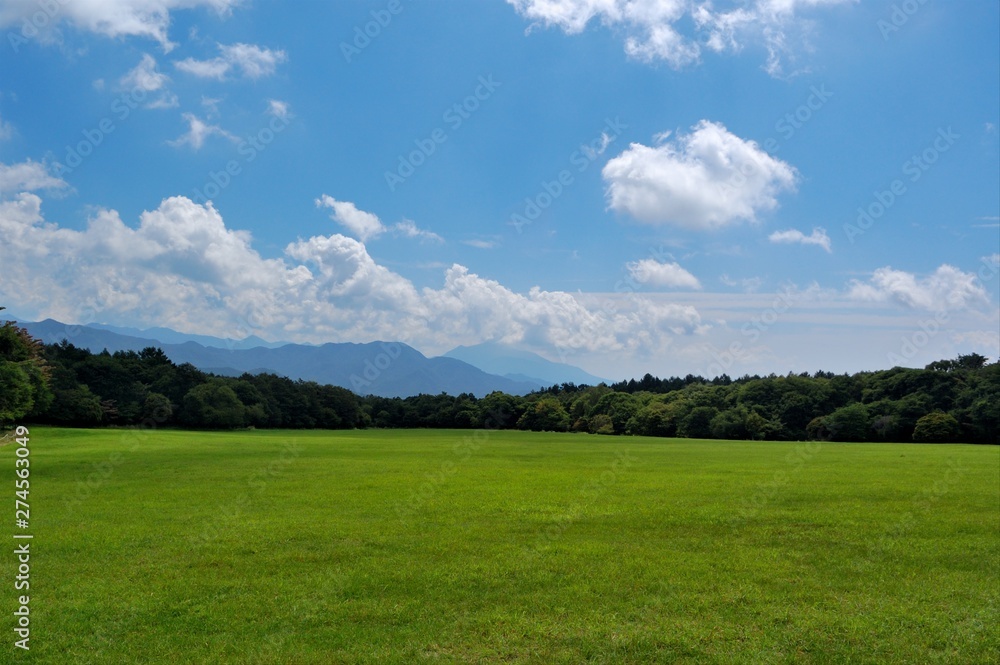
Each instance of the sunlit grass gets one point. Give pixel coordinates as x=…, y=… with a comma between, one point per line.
x=508, y=547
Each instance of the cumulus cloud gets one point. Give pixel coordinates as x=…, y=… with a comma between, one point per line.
x=27, y=176
x=817, y=237
x=184, y=268
x=198, y=131
x=145, y=77
x=656, y=274
x=652, y=29
x=367, y=226
x=250, y=60
x=704, y=180
x=111, y=18
x=947, y=288
x=364, y=225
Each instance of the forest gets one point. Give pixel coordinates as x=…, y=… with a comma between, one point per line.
x=947, y=401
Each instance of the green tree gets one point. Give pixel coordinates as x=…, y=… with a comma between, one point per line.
x=501, y=411
x=75, y=406
x=214, y=405
x=16, y=397
x=729, y=424
x=620, y=407
x=545, y=415
x=601, y=424
x=697, y=424
x=24, y=375
x=653, y=419
x=157, y=409
x=937, y=427
x=848, y=423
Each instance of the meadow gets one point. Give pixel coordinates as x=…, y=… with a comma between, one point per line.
x=444, y=546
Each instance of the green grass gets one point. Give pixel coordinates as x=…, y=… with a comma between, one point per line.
x=433, y=547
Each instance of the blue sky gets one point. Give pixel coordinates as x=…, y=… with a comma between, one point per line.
x=669, y=186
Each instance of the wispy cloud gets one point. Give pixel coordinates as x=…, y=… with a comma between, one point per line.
x=654, y=31
x=250, y=60
x=112, y=18
x=480, y=244
x=408, y=229
x=279, y=109
x=198, y=131
x=818, y=237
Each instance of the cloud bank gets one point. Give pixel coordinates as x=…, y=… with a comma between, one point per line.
x=183, y=267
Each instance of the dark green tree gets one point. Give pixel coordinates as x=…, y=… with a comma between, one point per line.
x=214, y=405
x=937, y=427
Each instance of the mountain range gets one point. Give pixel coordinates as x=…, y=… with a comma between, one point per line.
x=387, y=369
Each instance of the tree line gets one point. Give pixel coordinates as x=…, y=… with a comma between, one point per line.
x=947, y=401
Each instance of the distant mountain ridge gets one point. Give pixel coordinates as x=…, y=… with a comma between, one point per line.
x=520, y=365
x=386, y=369
x=168, y=336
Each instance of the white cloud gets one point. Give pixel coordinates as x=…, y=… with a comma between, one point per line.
x=653, y=273
x=211, y=106
x=364, y=225
x=408, y=229
x=279, y=109
x=367, y=226
x=27, y=176
x=653, y=30
x=6, y=130
x=817, y=237
x=947, y=288
x=251, y=60
x=111, y=18
x=198, y=131
x=480, y=244
x=704, y=180
x=183, y=268
x=748, y=284
x=145, y=78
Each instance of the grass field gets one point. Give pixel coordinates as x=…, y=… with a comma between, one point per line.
x=503, y=547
